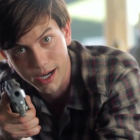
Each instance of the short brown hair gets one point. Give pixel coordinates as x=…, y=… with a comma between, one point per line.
x=17, y=17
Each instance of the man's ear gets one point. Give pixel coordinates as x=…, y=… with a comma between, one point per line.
x=3, y=54
x=67, y=33
x=5, y=57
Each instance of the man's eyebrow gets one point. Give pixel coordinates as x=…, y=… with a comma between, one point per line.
x=20, y=45
x=46, y=30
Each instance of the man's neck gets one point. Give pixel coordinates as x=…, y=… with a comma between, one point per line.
x=57, y=105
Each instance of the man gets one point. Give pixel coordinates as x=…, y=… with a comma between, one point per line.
x=73, y=92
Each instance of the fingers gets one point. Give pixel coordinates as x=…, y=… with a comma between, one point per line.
x=15, y=118
x=16, y=126
x=28, y=133
x=30, y=114
x=20, y=127
x=26, y=129
x=10, y=118
x=21, y=134
x=28, y=125
x=5, y=110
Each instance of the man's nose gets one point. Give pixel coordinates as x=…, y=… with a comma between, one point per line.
x=39, y=58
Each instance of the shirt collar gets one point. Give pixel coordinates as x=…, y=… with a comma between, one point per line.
x=77, y=98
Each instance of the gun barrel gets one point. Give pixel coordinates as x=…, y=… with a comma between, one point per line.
x=17, y=97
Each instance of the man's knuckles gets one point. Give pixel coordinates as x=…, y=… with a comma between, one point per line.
x=31, y=124
x=27, y=133
x=33, y=131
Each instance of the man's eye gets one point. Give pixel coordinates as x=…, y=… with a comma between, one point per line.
x=20, y=50
x=46, y=39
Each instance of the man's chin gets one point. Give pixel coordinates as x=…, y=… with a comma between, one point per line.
x=47, y=91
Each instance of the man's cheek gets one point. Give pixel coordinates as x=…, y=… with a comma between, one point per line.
x=19, y=64
x=24, y=75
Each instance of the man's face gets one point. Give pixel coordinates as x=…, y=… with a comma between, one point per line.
x=41, y=58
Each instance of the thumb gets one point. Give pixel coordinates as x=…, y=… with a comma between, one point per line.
x=5, y=100
x=2, y=118
x=29, y=102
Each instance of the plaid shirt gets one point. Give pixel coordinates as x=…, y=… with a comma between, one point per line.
x=104, y=99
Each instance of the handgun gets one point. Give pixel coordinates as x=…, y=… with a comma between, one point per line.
x=17, y=96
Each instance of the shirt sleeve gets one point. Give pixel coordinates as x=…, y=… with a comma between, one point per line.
x=119, y=118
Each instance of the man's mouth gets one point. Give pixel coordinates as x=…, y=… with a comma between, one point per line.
x=46, y=76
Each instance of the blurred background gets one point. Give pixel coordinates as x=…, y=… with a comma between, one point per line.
x=114, y=23
x=106, y=22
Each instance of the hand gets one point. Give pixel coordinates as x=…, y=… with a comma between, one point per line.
x=13, y=126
